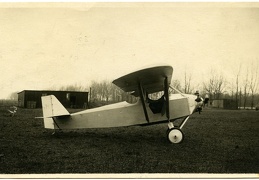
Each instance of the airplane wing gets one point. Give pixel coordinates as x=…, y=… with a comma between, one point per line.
x=151, y=80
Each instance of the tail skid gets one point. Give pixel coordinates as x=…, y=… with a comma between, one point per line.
x=52, y=108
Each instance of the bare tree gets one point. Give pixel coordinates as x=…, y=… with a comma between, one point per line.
x=14, y=96
x=95, y=91
x=220, y=84
x=232, y=89
x=216, y=85
x=245, y=87
x=253, y=82
x=209, y=86
x=116, y=93
x=187, y=83
x=237, y=85
x=106, y=91
x=176, y=84
x=73, y=87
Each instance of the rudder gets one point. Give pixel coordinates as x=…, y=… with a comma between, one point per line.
x=52, y=108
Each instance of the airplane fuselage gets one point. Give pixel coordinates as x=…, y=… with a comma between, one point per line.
x=125, y=114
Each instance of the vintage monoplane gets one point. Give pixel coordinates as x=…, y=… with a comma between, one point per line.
x=145, y=111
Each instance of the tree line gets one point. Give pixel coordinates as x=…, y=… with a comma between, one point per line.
x=216, y=86
x=243, y=87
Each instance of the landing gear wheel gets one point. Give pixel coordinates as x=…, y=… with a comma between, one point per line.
x=175, y=135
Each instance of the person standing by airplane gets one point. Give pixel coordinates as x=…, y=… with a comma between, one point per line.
x=199, y=101
x=206, y=101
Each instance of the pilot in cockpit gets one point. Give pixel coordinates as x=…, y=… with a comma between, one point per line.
x=156, y=106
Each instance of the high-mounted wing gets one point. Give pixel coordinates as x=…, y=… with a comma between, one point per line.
x=151, y=80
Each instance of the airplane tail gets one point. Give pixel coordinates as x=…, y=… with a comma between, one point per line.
x=52, y=108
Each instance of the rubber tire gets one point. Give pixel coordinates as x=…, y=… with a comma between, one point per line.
x=178, y=132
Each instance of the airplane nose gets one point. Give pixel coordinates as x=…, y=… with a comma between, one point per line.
x=194, y=105
x=192, y=102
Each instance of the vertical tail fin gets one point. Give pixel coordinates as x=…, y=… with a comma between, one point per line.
x=52, y=108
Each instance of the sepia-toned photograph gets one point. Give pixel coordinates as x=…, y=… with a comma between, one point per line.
x=129, y=89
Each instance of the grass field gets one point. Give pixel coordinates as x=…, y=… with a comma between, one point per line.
x=216, y=141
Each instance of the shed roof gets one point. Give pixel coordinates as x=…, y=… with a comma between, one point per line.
x=53, y=91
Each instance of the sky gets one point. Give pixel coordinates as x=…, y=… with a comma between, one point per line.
x=49, y=45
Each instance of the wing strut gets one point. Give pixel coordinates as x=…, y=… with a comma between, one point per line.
x=166, y=87
x=143, y=101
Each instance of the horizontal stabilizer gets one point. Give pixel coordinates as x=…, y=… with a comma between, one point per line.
x=51, y=116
